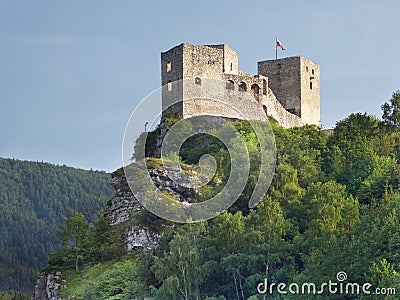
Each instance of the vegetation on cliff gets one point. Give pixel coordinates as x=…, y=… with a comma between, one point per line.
x=333, y=206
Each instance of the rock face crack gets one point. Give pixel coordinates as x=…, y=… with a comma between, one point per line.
x=123, y=205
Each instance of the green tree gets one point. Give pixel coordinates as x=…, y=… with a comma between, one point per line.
x=383, y=275
x=329, y=208
x=332, y=216
x=180, y=269
x=286, y=190
x=351, y=150
x=35, y=199
x=106, y=240
x=76, y=235
x=391, y=111
x=269, y=227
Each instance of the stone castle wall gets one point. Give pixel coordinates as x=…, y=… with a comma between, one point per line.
x=171, y=72
x=275, y=110
x=286, y=91
x=280, y=88
x=204, y=96
x=310, y=92
x=295, y=81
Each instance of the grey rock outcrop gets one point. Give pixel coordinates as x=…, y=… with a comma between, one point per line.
x=123, y=205
x=137, y=236
x=121, y=210
x=48, y=286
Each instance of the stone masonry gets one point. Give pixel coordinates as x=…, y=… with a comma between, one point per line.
x=287, y=89
x=295, y=83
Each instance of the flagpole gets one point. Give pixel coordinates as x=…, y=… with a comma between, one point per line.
x=276, y=48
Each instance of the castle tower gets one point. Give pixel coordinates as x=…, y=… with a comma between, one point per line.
x=193, y=61
x=295, y=81
x=200, y=62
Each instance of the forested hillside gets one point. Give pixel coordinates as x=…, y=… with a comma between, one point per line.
x=35, y=199
x=333, y=208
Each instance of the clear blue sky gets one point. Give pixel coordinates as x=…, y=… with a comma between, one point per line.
x=71, y=72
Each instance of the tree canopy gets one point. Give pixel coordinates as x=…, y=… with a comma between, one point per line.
x=35, y=199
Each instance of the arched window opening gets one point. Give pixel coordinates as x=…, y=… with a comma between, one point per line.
x=243, y=86
x=255, y=89
x=230, y=85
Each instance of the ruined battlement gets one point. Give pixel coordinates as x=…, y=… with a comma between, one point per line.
x=287, y=89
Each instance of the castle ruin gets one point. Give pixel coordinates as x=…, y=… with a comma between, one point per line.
x=288, y=89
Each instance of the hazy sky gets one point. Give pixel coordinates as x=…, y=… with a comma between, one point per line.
x=71, y=72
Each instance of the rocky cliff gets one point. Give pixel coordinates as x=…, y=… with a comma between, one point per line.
x=121, y=210
x=48, y=286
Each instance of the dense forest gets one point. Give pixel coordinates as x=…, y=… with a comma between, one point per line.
x=35, y=200
x=333, y=207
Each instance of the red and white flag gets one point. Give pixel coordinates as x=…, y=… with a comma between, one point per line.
x=279, y=44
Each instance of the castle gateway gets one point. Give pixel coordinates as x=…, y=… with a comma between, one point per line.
x=288, y=89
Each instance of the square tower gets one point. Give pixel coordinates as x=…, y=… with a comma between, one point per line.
x=192, y=61
x=295, y=82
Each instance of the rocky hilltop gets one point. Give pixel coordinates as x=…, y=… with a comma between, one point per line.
x=122, y=210
x=329, y=195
